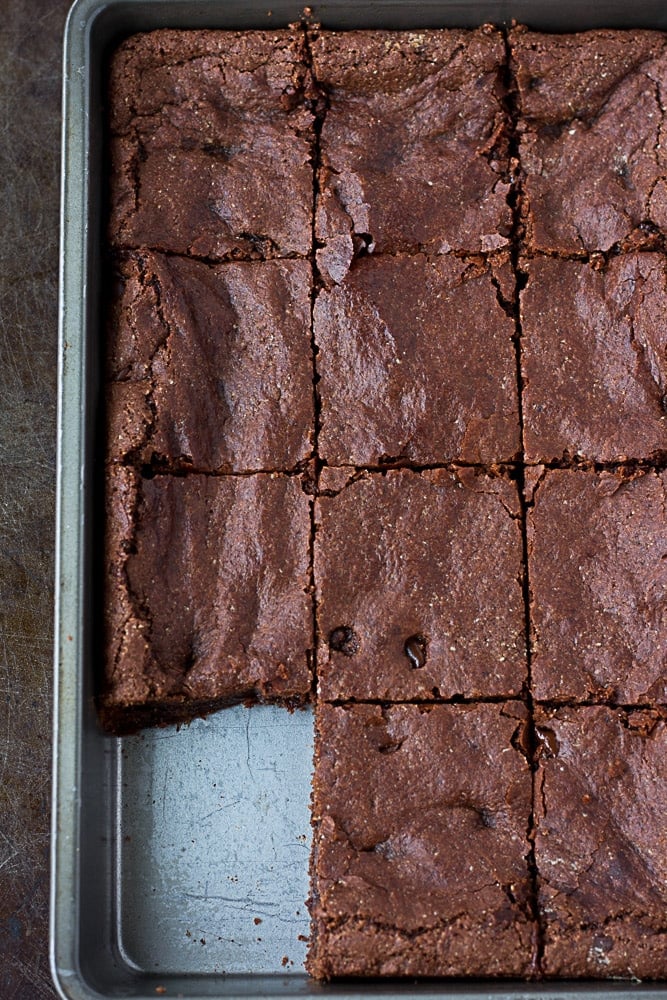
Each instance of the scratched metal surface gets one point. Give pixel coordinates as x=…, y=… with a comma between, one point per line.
x=212, y=866
x=30, y=43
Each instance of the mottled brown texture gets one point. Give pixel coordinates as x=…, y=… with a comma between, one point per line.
x=592, y=114
x=601, y=842
x=210, y=366
x=598, y=577
x=413, y=150
x=207, y=594
x=211, y=144
x=30, y=54
x=420, y=842
x=594, y=359
x=402, y=370
x=436, y=554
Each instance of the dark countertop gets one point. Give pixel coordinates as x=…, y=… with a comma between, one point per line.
x=30, y=54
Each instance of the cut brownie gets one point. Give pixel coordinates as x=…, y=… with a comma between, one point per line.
x=207, y=594
x=420, y=843
x=417, y=362
x=413, y=149
x=418, y=581
x=601, y=842
x=591, y=121
x=210, y=367
x=211, y=144
x=598, y=577
x=594, y=358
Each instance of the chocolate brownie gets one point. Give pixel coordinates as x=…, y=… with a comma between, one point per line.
x=413, y=149
x=594, y=359
x=416, y=361
x=420, y=842
x=208, y=602
x=210, y=367
x=601, y=842
x=211, y=144
x=590, y=126
x=598, y=578
x=418, y=581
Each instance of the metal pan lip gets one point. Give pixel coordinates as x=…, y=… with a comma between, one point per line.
x=77, y=189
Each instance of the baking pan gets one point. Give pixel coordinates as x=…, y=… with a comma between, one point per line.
x=180, y=857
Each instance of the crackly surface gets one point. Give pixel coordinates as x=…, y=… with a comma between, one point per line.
x=601, y=843
x=413, y=150
x=423, y=179
x=211, y=144
x=594, y=359
x=435, y=555
x=402, y=372
x=210, y=367
x=592, y=146
x=203, y=611
x=419, y=864
x=598, y=579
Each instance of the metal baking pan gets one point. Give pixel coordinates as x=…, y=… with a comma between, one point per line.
x=180, y=857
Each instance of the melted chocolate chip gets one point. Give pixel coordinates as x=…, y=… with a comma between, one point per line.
x=415, y=650
x=344, y=640
x=547, y=742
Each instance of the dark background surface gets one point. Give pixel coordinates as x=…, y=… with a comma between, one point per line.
x=30, y=63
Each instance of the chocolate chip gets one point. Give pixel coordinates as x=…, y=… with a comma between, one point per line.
x=547, y=742
x=344, y=640
x=487, y=818
x=663, y=404
x=415, y=650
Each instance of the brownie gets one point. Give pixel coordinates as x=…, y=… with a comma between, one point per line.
x=211, y=144
x=590, y=127
x=418, y=582
x=207, y=594
x=601, y=842
x=420, y=821
x=210, y=367
x=594, y=359
x=598, y=578
x=417, y=362
x=413, y=148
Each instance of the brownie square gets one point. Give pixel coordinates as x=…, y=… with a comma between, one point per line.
x=601, y=842
x=594, y=359
x=591, y=121
x=207, y=594
x=418, y=581
x=413, y=149
x=420, y=821
x=211, y=144
x=210, y=367
x=417, y=362
x=598, y=578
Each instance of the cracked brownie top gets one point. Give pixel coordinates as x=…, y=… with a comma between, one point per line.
x=211, y=144
x=592, y=115
x=413, y=146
